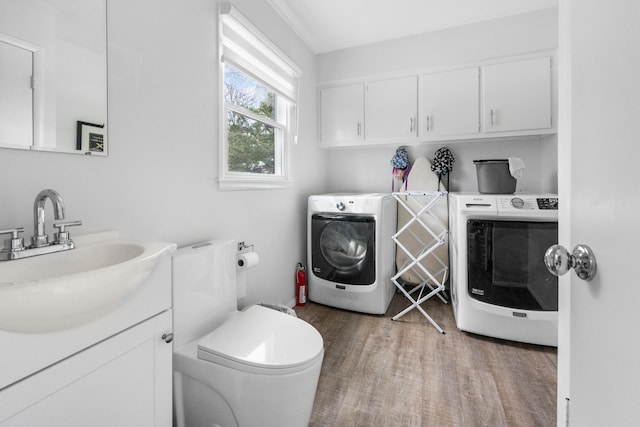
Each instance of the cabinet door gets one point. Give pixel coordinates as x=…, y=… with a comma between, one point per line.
x=122, y=381
x=450, y=103
x=517, y=95
x=391, y=109
x=342, y=115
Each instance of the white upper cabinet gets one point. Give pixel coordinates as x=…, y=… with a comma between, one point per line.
x=342, y=115
x=517, y=95
x=450, y=103
x=492, y=99
x=391, y=109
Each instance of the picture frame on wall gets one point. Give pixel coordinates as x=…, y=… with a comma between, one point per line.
x=91, y=139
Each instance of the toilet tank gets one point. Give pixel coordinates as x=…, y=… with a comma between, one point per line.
x=204, y=288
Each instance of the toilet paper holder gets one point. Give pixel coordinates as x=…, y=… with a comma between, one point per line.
x=246, y=257
x=242, y=246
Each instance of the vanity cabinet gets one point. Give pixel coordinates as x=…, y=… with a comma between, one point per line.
x=122, y=381
x=450, y=103
x=391, y=109
x=342, y=115
x=114, y=370
x=517, y=95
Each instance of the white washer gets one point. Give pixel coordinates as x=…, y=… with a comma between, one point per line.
x=500, y=286
x=351, y=256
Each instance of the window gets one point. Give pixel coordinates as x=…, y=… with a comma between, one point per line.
x=259, y=87
x=254, y=133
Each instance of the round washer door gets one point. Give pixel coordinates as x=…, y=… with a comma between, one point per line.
x=344, y=247
x=344, y=250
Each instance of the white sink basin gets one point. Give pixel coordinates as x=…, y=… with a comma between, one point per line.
x=65, y=289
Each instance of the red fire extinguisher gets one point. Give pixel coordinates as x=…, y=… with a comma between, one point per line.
x=301, y=286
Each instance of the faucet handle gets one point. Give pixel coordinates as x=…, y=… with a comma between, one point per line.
x=62, y=236
x=15, y=243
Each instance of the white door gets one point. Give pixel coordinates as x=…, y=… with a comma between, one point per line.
x=16, y=99
x=599, y=162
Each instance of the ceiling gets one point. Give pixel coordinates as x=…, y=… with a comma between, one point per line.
x=329, y=25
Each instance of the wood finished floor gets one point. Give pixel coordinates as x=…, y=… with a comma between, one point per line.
x=380, y=372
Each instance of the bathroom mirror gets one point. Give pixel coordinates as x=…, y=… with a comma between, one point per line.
x=53, y=75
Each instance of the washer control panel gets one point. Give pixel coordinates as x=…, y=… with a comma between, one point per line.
x=517, y=203
x=548, y=203
x=348, y=203
x=544, y=206
x=527, y=203
x=510, y=203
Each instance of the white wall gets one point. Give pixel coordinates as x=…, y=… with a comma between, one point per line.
x=159, y=181
x=369, y=169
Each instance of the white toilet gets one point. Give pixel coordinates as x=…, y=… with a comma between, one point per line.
x=256, y=367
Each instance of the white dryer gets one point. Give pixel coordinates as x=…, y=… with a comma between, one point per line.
x=350, y=251
x=500, y=286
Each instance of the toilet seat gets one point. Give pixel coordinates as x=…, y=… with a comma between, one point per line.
x=263, y=340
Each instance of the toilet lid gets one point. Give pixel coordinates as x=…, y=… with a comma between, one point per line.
x=263, y=337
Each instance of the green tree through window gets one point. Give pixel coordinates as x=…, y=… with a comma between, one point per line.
x=252, y=129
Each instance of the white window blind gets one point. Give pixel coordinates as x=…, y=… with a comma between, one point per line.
x=246, y=47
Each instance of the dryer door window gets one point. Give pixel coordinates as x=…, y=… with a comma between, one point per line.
x=506, y=266
x=344, y=248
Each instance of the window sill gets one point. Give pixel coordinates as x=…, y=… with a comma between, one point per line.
x=238, y=184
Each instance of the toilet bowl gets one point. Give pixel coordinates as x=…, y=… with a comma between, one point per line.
x=255, y=367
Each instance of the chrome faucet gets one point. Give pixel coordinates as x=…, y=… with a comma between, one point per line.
x=40, y=238
x=14, y=247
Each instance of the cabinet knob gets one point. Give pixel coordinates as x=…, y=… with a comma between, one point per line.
x=167, y=337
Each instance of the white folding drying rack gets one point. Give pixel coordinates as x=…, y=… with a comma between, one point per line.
x=419, y=205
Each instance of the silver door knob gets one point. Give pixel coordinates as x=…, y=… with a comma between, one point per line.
x=558, y=261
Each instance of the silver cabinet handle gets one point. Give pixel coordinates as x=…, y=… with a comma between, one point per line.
x=359, y=129
x=493, y=117
x=167, y=337
x=411, y=124
x=558, y=261
x=428, y=123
